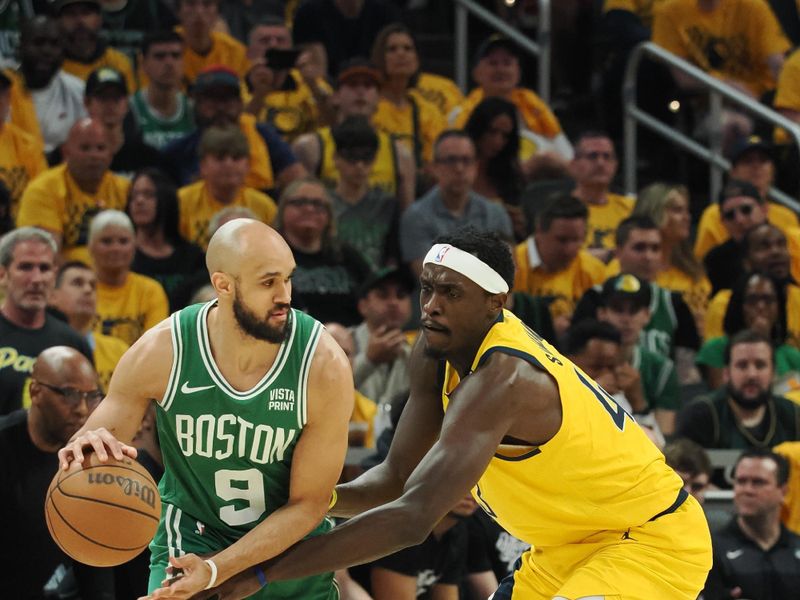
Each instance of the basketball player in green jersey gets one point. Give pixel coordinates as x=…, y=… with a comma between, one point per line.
x=253, y=402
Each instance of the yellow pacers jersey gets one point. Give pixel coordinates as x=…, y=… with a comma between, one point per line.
x=604, y=219
x=129, y=310
x=440, y=91
x=599, y=472
x=260, y=175
x=384, y=171
x=417, y=124
x=107, y=351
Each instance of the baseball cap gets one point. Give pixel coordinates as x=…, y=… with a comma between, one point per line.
x=216, y=77
x=62, y=4
x=626, y=287
x=105, y=78
x=736, y=188
x=495, y=40
x=358, y=67
x=746, y=144
x=381, y=276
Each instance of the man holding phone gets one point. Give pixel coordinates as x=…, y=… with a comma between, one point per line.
x=285, y=84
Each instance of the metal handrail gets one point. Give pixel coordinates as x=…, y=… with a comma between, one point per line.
x=540, y=48
x=717, y=90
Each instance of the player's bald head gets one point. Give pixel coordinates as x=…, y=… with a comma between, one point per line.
x=241, y=241
x=60, y=365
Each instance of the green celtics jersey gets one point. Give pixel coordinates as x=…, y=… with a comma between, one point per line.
x=159, y=131
x=659, y=333
x=228, y=453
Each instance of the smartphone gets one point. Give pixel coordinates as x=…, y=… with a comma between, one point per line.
x=279, y=59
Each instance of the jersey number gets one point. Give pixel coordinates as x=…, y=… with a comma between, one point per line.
x=247, y=485
x=617, y=413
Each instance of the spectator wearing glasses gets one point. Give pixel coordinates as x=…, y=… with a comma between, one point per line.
x=366, y=216
x=593, y=169
x=64, y=390
x=452, y=203
x=329, y=272
x=75, y=296
x=224, y=164
x=27, y=273
x=741, y=208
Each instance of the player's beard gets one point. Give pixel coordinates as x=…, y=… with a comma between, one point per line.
x=255, y=327
x=749, y=403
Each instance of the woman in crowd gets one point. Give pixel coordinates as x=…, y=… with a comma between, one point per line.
x=668, y=206
x=756, y=303
x=329, y=273
x=494, y=129
x=403, y=111
x=161, y=253
x=128, y=304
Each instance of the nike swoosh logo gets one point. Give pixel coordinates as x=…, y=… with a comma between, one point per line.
x=185, y=389
x=734, y=554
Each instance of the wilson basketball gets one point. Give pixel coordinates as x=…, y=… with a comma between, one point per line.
x=103, y=514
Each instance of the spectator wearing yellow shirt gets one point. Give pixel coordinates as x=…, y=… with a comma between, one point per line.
x=21, y=154
x=128, y=304
x=401, y=112
x=218, y=101
x=552, y=262
x=497, y=73
x=203, y=46
x=593, y=168
x=224, y=162
x=356, y=95
x=751, y=161
x=64, y=199
x=80, y=22
x=75, y=296
x=286, y=87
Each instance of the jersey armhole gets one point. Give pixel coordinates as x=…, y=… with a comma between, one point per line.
x=305, y=368
x=177, y=357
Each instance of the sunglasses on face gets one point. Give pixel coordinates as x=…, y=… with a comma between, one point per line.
x=314, y=203
x=745, y=209
x=74, y=397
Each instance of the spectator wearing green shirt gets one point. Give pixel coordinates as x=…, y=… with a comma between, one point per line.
x=759, y=304
x=625, y=304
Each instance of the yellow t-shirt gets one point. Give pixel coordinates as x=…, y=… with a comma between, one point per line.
x=597, y=442
x=719, y=304
x=21, y=160
x=417, y=124
x=787, y=94
x=260, y=176
x=225, y=50
x=23, y=112
x=566, y=286
x=604, y=218
x=364, y=411
x=793, y=242
x=641, y=8
x=110, y=58
x=790, y=511
x=711, y=231
x=196, y=207
x=126, y=312
x=384, y=172
x=54, y=202
x=293, y=111
x=440, y=91
x=733, y=41
x=107, y=352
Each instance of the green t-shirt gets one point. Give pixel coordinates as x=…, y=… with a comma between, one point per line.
x=659, y=378
x=712, y=354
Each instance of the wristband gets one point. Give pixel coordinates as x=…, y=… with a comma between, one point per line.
x=334, y=498
x=262, y=579
x=213, y=568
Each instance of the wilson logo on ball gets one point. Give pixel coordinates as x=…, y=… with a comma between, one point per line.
x=130, y=487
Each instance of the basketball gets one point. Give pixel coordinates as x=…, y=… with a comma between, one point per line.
x=103, y=514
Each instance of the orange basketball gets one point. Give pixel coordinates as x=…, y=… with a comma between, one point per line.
x=103, y=514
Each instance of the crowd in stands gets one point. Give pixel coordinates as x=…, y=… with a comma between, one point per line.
x=131, y=130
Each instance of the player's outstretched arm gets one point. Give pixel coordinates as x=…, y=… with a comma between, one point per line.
x=316, y=465
x=486, y=405
x=140, y=377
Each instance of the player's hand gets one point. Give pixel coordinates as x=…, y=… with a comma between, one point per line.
x=186, y=576
x=242, y=585
x=101, y=441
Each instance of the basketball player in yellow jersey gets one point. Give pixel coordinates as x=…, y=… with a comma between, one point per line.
x=545, y=451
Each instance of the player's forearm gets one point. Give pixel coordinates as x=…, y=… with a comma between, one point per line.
x=377, y=486
x=272, y=536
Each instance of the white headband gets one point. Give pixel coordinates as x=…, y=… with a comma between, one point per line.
x=468, y=265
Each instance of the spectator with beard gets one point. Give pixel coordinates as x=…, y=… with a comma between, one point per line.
x=744, y=413
x=80, y=22
x=45, y=99
x=218, y=102
x=765, y=250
